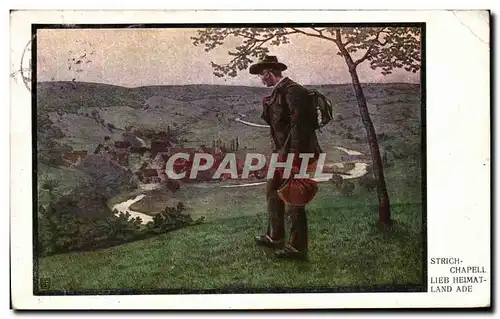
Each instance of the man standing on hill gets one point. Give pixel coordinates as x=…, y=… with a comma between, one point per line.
x=287, y=111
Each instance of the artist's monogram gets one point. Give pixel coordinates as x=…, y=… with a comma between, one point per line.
x=44, y=283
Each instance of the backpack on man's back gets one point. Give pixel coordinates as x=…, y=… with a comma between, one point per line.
x=323, y=108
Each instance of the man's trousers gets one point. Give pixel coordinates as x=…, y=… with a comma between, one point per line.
x=278, y=211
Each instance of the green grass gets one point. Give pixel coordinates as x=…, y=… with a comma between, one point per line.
x=346, y=249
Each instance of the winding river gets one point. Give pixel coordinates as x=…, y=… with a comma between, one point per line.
x=124, y=207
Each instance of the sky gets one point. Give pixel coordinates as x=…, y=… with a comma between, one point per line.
x=143, y=57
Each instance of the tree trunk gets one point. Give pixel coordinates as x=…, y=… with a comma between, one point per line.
x=383, y=196
x=378, y=170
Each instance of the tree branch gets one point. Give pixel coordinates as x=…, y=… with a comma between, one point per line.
x=320, y=31
x=370, y=48
x=245, y=36
x=253, y=44
x=338, y=35
x=243, y=53
x=321, y=36
x=343, y=50
x=364, y=57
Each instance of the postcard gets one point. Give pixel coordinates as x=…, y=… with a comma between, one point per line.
x=250, y=159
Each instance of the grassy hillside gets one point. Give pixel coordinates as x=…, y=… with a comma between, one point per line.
x=71, y=96
x=206, y=112
x=346, y=249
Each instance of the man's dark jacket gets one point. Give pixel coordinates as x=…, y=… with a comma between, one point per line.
x=288, y=109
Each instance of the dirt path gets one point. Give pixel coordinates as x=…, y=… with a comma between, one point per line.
x=349, y=152
x=143, y=142
x=250, y=123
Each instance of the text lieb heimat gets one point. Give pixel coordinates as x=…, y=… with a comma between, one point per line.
x=228, y=165
x=462, y=277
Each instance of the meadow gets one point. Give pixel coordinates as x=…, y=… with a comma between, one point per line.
x=346, y=247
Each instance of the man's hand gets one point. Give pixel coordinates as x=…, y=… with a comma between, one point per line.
x=282, y=155
x=296, y=162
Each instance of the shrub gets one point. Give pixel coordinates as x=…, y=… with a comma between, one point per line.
x=347, y=188
x=171, y=218
x=368, y=182
x=63, y=230
x=337, y=180
x=404, y=149
x=388, y=158
x=383, y=137
x=53, y=132
x=173, y=185
x=49, y=152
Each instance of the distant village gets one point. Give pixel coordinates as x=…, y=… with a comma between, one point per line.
x=149, y=161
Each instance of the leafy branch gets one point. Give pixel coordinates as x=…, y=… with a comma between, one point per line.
x=244, y=54
x=371, y=47
x=385, y=47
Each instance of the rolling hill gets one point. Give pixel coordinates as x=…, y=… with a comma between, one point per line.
x=207, y=112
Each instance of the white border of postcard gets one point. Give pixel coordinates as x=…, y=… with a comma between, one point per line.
x=458, y=160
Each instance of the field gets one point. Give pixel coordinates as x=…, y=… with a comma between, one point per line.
x=346, y=248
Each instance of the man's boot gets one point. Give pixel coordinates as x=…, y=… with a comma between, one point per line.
x=298, y=242
x=275, y=235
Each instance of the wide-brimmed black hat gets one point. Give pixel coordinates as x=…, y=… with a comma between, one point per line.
x=268, y=62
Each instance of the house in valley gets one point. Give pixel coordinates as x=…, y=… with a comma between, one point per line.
x=73, y=158
x=160, y=160
x=159, y=146
x=99, y=149
x=210, y=150
x=138, y=150
x=122, y=146
x=150, y=175
x=122, y=159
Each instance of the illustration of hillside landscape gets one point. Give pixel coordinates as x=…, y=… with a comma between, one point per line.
x=110, y=219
